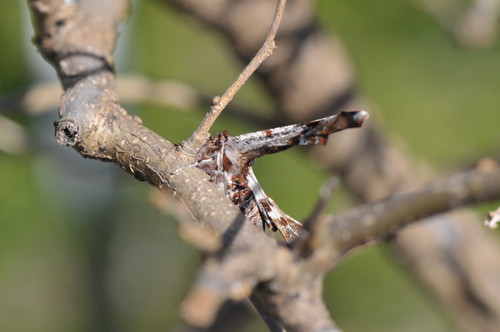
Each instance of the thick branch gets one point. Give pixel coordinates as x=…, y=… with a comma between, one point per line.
x=95, y=125
x=379, y=220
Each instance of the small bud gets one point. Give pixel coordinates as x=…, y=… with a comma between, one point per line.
x=216, y=100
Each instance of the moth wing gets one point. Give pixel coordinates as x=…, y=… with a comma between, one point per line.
x=288, y=227
x=271, y=214
x=256, y=144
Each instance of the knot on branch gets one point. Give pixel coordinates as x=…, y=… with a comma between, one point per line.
x=66, y=132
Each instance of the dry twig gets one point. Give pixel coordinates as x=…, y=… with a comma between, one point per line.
x=13, y=137
x=201, y=134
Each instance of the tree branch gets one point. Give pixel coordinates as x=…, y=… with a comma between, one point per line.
x=95, y=125
x=382, y=219
x=370, y=164
x=78, y=38
x=473, y=25
x=201, y=134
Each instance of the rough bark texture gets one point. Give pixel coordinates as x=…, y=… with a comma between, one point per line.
x=92, y=122
x=96, y=126
x=311, y=76
x=77, y=38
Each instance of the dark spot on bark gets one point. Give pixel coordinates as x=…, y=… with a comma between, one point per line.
x=60, y=23
x=69, y=133
x=66, y=132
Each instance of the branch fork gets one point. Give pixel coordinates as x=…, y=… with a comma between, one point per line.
x=219, y=103
x=280, y=278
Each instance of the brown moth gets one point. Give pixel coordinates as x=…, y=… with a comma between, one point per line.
x=228, y=161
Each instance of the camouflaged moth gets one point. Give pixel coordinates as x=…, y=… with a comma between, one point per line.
x=228, y=161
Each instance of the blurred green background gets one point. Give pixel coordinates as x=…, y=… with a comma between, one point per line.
x=82, y=248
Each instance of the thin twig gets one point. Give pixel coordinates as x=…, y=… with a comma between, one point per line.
x=272, y=324
x=478, y=26
x=311, y=223
x=13, y=137
x=200, y=135
x=325, y=195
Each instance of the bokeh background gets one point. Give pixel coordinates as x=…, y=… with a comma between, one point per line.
x=83, y=249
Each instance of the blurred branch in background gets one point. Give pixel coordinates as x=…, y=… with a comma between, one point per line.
x=13, y=137
x=473, y=24
x=133, y=89
x=197, y=235
x=97, y=127
x=383, y=219
x=311, y=76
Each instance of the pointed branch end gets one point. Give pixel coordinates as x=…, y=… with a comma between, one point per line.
x=67, y=132
x=360, y=117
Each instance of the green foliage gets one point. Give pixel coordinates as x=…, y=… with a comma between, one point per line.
x=13, y=71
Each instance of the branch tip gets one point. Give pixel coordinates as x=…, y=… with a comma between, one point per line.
x=360, y=117
x=66, y=132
